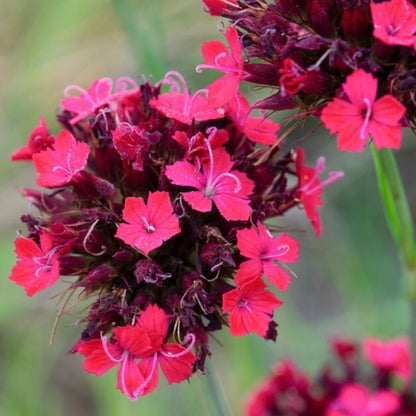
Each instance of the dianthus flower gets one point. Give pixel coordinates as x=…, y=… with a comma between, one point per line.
x=351, y=64
x=349, y=388
x=148, y=198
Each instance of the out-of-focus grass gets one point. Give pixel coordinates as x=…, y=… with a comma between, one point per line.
x=348, y=279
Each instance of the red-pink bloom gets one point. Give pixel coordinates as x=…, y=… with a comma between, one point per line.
x=37, y=266
x=130, y=342
x=218, y=57
x=310, y=188
x=356, y=400
x=390, y=355
x=250, y=307
x=394, y=22
x=183, y=106
x=57, y=166
x=195, y=147
x=257, y=129
x=263, y=250
x=131, y=144
x=363, y=115
x=148, y=226
x=218, y=183
x=219, y=7
x=174, y=359
x=97, y=95
x=39, y=140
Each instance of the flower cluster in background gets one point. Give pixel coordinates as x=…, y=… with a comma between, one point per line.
x=152, y=203
x=352, y=64
x=371, y=382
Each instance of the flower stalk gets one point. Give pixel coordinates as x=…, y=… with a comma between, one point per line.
x=400, y=221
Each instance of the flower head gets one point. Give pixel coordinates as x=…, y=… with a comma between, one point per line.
x=143, y=195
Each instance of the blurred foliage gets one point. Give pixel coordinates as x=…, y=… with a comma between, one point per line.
x=348, y=279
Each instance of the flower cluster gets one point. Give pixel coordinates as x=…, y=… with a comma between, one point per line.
x=154, y=200
x=379, y=385
x=350, y=63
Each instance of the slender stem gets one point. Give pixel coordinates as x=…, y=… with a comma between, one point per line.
x=399, y=218
x=217, y=393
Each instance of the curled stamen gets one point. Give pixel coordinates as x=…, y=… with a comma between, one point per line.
x=107, y=351
x=188, y=338
x=139, y=390
x=319, y=61
x=149, y=228
x=81, y=91
x=190, y=100
x=125, y=359
x=282, y=249
x=171, y=81
x=230, y=175
x=310, y=187
x=368, y=112
x=87, y=236
x=123, y=82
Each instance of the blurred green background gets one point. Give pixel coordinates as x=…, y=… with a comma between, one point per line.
x=348, y=280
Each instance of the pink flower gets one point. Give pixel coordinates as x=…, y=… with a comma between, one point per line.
x=182, y=106
x=97, y=95
x=392, y=355
x=228, y=189
x=310, y=188
x=39, y=140
x=129, y=344
x=363, y=115
x=263, y=250
x=257, y=129
x=394, y=22
x=355, y=400
x=219, y=7
x=37, y=266
x=148, y=226
x=57, y=166
x=218, y=57
x=175, y=360
x=250, y=307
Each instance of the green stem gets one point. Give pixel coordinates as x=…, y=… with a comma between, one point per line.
x=399, y=218
x=220, y=402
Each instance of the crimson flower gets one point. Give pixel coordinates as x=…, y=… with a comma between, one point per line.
x=257, y=129
x=263, y=250
x=148, y=226
x=39, y=140
x=228, y=189
x=143, y=341
x=218, y=57
x=310, y=188
x=218, y=7
x=37, y=266
x=363, y=115
x=183, y=106
x=57, y=166
x=390, y=355
x=97, y=95
x=101, y=355
x=174, y=359
x=356, y=400
x=394, y=22
x=251, y=307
